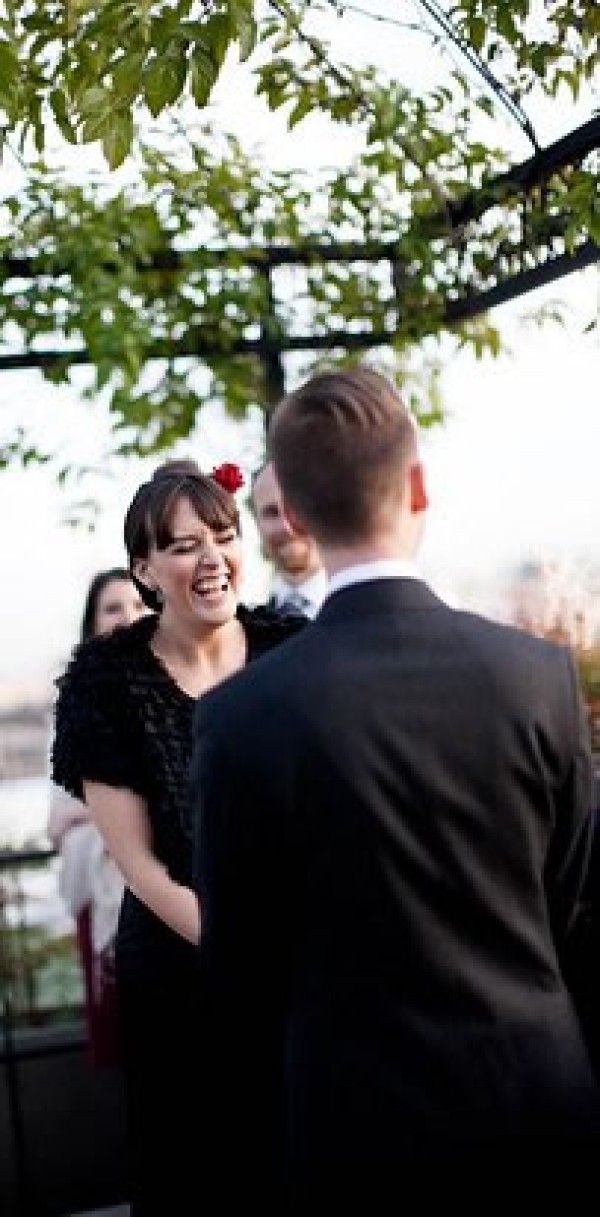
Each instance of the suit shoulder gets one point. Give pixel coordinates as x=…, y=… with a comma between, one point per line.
x=508, y=638
x=513, y=656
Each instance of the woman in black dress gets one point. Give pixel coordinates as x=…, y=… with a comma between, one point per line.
x=123, y=743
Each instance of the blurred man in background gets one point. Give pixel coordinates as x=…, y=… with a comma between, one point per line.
x=300, y=581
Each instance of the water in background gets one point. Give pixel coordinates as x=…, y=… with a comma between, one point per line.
x=24, y=806
x=31, y=894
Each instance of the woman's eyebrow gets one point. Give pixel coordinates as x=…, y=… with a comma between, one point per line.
x=193, y=536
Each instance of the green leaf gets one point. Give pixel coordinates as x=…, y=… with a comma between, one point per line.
x=127, y=75
x=208, y=52
x=203, y=74
x=92, y=101
x=9, y=69
x=59, y=107
x=505, y=22
x=303, y=107
x=117, y=139
x=164, y=79
x=217, y=37
x=477, y=32
x=242, y=20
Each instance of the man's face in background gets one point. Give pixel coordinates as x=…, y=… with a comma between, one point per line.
x=293, y=554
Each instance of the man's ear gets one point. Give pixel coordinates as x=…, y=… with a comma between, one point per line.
x=418, y=491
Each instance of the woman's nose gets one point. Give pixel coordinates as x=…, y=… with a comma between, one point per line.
x=210, y=554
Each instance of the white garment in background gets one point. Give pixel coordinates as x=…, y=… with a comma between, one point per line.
x=88, y=875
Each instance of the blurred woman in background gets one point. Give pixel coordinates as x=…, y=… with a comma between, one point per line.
x=89, y=881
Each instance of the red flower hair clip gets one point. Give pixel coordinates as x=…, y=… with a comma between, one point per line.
x=228, y=476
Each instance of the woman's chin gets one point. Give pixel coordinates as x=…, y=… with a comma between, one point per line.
x=216, y=608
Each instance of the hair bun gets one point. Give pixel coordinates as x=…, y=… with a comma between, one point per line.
x=185, y=467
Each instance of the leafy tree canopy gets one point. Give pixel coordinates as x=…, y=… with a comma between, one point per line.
x=93, y=66
x=129, y=273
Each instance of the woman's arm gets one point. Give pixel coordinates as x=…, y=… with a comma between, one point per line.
x=122, y=818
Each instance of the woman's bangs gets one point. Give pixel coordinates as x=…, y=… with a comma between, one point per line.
x=213, y=506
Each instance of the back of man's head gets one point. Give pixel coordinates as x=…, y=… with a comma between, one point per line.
x=342, y=445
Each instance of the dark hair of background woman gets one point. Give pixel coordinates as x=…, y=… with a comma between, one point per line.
x=99, y=582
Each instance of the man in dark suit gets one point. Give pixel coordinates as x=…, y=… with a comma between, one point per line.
x=394, y=826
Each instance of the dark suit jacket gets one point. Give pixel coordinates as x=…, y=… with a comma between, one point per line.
x=394, y=826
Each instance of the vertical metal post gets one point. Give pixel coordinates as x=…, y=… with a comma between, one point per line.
x=270, y=345
x=15, y=1109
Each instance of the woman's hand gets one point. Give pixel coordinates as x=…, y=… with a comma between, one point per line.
x=122, y=817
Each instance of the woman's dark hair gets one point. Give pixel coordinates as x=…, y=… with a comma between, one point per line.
x=99, y=582
x=150, y=513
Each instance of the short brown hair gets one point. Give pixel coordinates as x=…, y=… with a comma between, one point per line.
x=149, y=516
x=339, y=444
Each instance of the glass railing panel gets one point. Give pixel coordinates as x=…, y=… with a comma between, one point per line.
x=40, y=972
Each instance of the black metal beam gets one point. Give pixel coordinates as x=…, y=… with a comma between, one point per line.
x=526, y=281
x=13, y=859
x=258, y=258
x=569, y=150
x=195, y=345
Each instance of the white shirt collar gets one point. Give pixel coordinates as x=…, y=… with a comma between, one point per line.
x=314, y=589
x=363, y=572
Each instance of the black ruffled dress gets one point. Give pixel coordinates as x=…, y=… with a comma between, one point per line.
x=123, y=721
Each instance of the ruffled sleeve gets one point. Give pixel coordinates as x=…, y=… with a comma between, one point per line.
x=95, y=737
x=267, y=628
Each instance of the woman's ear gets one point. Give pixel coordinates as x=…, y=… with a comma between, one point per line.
x=142, y=572
x=149, y=590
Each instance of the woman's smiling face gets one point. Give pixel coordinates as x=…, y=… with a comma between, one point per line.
x=198, y=572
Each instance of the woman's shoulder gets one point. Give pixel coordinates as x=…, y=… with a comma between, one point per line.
x=267, y=628
x=97, y=716
x=105, y=660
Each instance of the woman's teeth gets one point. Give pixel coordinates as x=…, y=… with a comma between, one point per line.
x=211, y=584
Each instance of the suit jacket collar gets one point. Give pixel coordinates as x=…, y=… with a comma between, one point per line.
x=378, y=596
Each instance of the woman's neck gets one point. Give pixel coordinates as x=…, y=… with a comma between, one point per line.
x=199, y=656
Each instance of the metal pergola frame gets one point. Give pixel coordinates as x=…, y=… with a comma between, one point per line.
x=538, y=255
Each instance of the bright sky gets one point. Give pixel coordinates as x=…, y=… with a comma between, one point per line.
x=513, y=471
